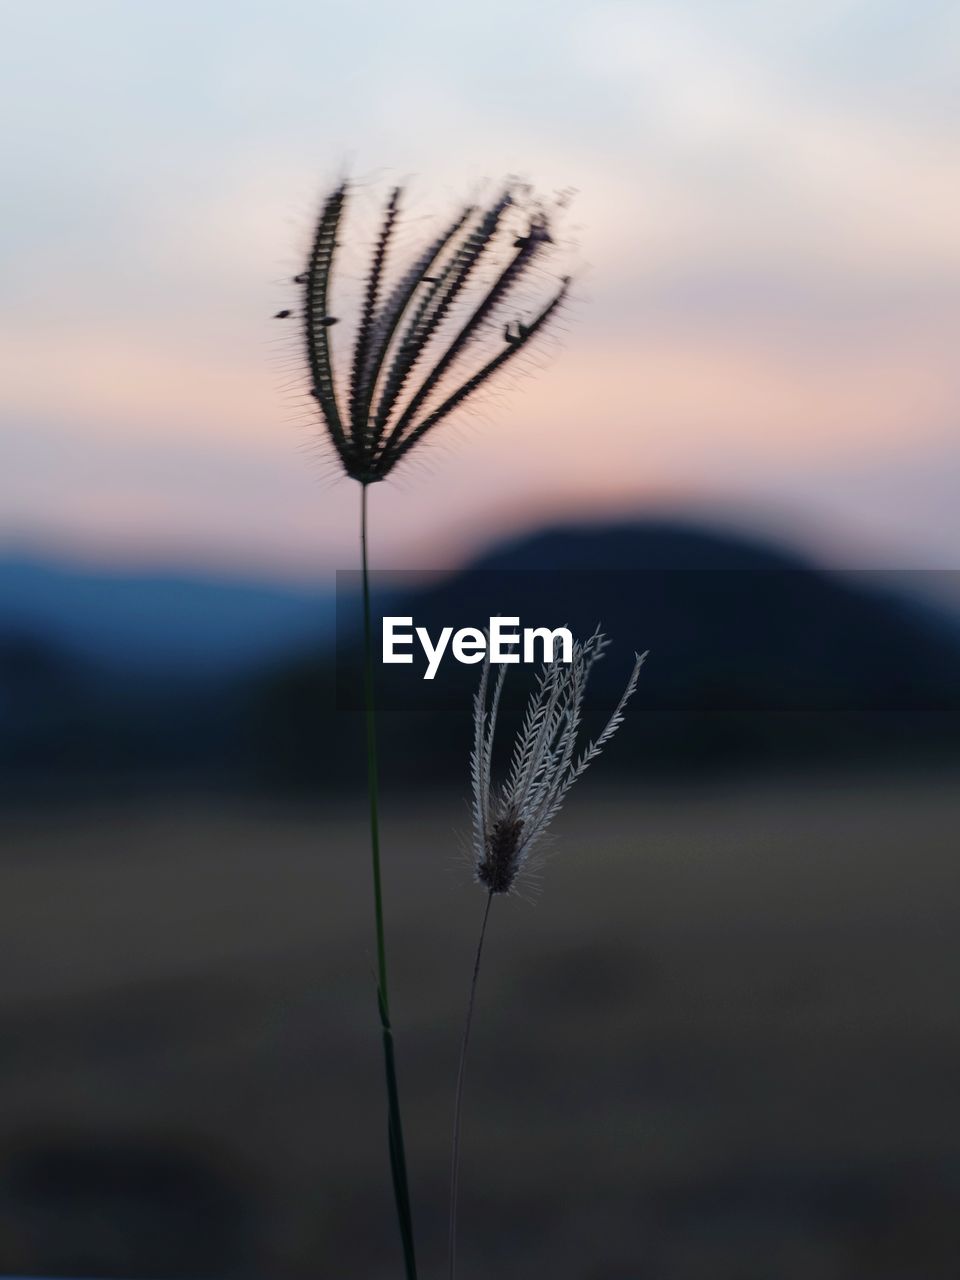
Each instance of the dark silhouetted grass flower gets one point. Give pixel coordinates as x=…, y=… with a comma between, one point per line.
x=425, y=342
x=410, y=364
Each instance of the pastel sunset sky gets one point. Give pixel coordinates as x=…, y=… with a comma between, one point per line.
x=767, y=249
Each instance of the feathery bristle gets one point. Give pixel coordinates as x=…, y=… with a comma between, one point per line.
x=440, y=299
x=316, y=289
x=474, y=383
x=400, y=325
x=365, y=328
x=508, y=277
x=388, y=319
x=509, y=820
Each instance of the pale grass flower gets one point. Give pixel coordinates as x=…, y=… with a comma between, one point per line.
x=510, y=818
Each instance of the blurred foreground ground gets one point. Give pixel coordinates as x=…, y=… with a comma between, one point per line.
x=724, y=1042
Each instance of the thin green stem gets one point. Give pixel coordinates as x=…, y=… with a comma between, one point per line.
x=373, y=785
x=458, y=1104
x=398, y=1160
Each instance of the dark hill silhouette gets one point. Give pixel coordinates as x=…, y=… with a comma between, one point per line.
x=168, y=621
x=639, y=544
x=111, y=674
x=730, y=623
x=757, y=658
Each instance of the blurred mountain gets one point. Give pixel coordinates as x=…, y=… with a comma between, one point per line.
x=175, y=621
x=730, y=622
x=637, y=545
x=757, y=659
x=111, y=676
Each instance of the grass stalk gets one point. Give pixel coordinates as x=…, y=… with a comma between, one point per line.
x=458, y=1102
x=398, y=1160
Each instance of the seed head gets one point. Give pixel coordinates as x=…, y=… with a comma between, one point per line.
x=510, y=818
x=407, y=370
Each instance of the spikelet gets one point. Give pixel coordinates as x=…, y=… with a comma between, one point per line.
x=510, y=819
x=400, y=386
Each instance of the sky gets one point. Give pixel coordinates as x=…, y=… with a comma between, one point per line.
x=765, y=241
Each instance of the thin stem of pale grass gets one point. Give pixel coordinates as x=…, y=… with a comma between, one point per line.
x=398, y=1160
x=458, y=1103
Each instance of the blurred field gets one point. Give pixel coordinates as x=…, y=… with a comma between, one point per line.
x=724, y=1042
